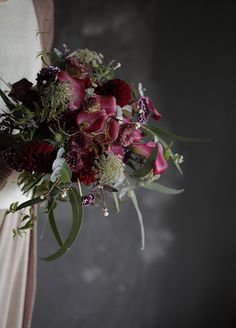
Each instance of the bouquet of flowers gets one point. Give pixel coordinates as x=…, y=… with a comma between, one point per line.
x=81, y=134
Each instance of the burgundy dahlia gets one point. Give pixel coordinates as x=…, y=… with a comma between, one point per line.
x=39, y=156
x=117, y=88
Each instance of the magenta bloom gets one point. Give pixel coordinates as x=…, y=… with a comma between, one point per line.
x=160, y=165
x=76, y=89
x=100, y=117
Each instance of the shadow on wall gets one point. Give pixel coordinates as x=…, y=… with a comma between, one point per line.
x=186, y=275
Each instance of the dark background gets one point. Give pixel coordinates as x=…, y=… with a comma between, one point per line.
x=184, y=53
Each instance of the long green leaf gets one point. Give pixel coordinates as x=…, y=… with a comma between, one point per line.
x=148, y=166
x=52, y=221
x=162, y=189
x=140, y=217
x=77, y=209
x=30, y=202
x=173, y=137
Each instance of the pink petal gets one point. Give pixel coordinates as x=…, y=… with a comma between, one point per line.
x=118, y=150
x=160, y=164
x=108, y=103
x=138, y=135
x=77, y=89
x=143, y=149
x=113, y=129
x=155, y=113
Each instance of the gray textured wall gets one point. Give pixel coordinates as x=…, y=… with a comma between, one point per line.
x=185, y=278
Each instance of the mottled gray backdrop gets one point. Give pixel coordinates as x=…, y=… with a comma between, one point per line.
x=184, y=53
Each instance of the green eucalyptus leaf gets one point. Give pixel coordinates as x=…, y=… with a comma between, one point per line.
x=125, y=190
x=160, y=188
x=148, y=166
x=140, y=217
x=173, y=137
x=58, y=163
x=56, y=174
x=77, y=209
x=52, y=221
x=66, y=173
x=30, y=202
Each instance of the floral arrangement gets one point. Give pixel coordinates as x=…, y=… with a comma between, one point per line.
x=81, y=134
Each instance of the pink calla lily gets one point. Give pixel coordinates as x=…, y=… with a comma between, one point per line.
x=113, y=129
x=77, y=89
x=160, y=165
x=92, y=122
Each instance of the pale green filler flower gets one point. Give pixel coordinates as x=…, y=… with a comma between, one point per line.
x=88, y=57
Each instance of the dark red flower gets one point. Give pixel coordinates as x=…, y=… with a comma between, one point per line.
x=23, y=92
x=117, y=88
x=81, y=161
x=38, y=156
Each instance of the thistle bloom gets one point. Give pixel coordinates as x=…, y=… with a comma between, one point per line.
x=160, y=165
x=110, y=169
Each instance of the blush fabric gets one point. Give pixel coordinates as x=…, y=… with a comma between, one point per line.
x=19, y=23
